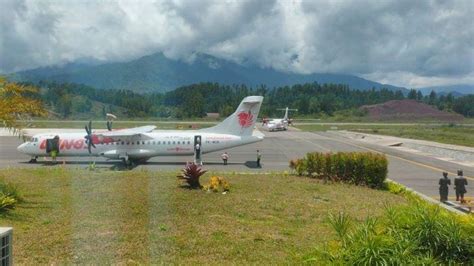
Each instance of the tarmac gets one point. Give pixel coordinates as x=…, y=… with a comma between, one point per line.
x=416, y=171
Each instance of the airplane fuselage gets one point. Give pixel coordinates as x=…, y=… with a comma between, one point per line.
x=165, y=143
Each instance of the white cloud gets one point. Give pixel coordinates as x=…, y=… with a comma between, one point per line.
x=405, y=43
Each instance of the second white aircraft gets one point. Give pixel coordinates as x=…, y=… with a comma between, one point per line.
x=279, y=123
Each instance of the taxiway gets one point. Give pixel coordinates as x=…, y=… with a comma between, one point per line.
x=416, y=171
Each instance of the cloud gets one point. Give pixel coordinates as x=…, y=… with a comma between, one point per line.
x=404, y=42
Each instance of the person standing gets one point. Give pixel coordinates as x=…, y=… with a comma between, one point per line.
x=444, y=182
x=225, y=157
x=259, y=157
x=460, y=183
x=197, y=151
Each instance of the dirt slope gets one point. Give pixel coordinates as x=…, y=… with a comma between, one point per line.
x=407, y=110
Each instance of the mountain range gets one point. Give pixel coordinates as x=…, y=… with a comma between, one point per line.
x=158, y=73
x=455, y=90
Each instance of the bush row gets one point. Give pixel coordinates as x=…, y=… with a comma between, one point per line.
x=360, y=168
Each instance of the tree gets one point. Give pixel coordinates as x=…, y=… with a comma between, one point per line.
x=18, y=102
x=412, y=94
x=432, y=98
x=419, y=96
x=464, y=105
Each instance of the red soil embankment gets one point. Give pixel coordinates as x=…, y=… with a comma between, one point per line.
x=407, y=110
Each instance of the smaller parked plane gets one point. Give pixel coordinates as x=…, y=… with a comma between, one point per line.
x=279, y=124
x=140, y=143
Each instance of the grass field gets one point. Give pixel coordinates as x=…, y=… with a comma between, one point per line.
x=102, y=217
x=443, y=133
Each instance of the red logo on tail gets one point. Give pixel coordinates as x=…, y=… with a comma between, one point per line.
x=245, y=119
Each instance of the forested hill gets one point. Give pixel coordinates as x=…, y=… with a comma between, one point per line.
x=196, y=100
x=157, y=73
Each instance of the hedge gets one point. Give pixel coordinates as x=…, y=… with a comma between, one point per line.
x=360, y=168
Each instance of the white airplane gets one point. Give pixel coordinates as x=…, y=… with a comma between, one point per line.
x=141, y=143
x=279, y=124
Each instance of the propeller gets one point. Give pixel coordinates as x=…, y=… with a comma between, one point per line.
x=88, y=137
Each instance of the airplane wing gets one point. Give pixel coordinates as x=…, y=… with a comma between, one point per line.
x=137, y=133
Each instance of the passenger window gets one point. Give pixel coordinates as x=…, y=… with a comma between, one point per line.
x=143, y=142
x=169, y=142
x=174, y=142
x=153, y=143
x=123, y=143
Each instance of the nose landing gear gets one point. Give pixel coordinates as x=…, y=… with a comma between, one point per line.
x=34, y=159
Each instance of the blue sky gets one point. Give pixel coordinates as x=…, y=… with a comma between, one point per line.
x=405, y=43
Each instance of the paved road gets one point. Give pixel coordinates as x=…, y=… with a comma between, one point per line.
x=416, y=171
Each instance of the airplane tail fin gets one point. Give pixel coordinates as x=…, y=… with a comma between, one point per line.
x=242, y=121
x=285, y=117
x=286, y=114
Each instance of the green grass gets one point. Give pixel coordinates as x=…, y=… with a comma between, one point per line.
x=450, y=134
x=417, y=233
x=98, y=217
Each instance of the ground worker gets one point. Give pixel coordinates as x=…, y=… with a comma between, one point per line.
x=460, y=183
x=197, y=151
x=259, y=157
x=225, y=157
x=444, y=182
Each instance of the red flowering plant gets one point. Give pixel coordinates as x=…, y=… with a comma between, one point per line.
x=191, y=174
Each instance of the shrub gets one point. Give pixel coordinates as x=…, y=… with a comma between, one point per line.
x=216, y=183
x=413, y=234
x=9, y=196
x=10, y=190
x=191, y=173
x=298, y=165
x=6, y=202
x=360, y=168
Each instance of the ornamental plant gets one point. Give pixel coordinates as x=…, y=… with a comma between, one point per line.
x=6, y=202
x=191, y=174
x=217, y=183
x=9, y=196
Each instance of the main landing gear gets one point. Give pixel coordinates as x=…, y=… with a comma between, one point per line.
x=33, y=159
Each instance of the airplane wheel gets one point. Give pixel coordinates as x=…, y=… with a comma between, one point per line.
x=126, y=162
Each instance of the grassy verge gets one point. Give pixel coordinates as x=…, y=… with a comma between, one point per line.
x=443, y=133
x=417, y=233
x=96, y=217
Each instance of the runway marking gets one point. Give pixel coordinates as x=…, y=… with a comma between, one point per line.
x=403, y=159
